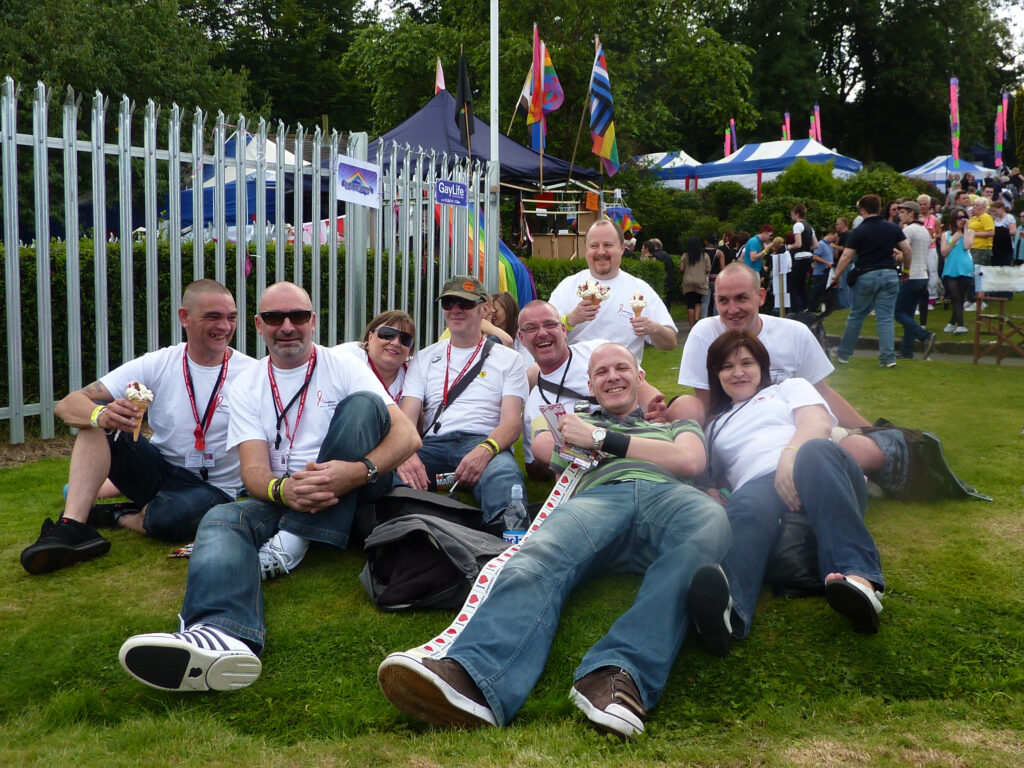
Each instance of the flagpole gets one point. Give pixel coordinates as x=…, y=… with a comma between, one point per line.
x=579, y=130
x=514, y=113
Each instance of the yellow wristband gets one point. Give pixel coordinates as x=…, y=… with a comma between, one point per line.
x=270, y=491
x=490, y=448
x=494, y=444
x=792, y=448
x=566, y=323
x=94, y=418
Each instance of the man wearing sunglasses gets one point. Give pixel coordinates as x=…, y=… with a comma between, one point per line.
x=316, y=435
x=467, y=430
x=172, y=478
x=613, y=318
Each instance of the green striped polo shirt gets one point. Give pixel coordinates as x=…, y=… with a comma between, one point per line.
x=615, y=469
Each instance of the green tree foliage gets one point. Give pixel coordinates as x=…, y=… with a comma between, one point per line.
x=804, y=179
x=291, y=52
x=725, y=198
x=878, y=179
x=141, y=49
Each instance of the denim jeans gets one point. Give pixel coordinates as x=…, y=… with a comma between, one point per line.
x=176, y=498
x=874, y=290
x=223, y=585
x=910, y=294
x=834, y=496
x=442, y=453
x=663, y=530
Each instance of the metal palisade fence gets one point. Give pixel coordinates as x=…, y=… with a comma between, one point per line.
x=100, y=278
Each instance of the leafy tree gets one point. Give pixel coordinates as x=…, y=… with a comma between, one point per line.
x=804, y=179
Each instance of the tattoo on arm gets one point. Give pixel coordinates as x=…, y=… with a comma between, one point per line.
x=95, y=391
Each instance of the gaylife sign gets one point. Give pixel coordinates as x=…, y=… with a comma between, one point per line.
x=450, y=192
x=358, y=182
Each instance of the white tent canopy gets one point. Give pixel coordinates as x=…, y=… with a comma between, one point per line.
x=666, y=161
x=938, y=169
x=752, y=164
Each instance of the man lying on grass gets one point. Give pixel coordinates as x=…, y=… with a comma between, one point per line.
x=633, y=513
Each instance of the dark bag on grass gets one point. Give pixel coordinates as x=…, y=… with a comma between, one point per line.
x=424, y=561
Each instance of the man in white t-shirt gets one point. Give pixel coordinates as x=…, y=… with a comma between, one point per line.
x=792, y=348
x=171, y=479
x=561, y=377
x=612, y=319
x=469, y=429
x=315, y=435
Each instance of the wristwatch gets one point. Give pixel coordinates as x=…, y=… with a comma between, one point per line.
x=371, y=471
x=598, y=436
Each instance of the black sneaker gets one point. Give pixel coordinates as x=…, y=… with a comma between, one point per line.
x=611, y=701
x=61, y=544
x=436, y=691
x=710, y=606
x=929, y=346
x=105, y=515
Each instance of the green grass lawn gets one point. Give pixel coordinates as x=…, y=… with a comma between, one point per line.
x=941, y=685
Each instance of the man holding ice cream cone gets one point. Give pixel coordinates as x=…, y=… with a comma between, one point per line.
x=597, y=303
x=172, y=478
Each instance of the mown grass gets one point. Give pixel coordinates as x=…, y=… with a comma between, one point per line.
x=941, y=685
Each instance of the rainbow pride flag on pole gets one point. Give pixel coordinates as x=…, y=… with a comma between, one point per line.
x=542, y=93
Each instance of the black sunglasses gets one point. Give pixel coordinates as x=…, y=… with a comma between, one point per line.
x=276, y=317
x=448, y=302
x=387, y=333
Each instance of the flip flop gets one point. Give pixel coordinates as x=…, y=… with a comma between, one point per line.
x=856, y=602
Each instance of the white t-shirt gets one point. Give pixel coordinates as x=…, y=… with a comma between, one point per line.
x=805, y=252
x=791, y=346
x=254, y=414
x=355, y=348
x=612, y=321
x=170, y=415
x=576, y=380
x=478, y=408
x=919, y=238
x=746, y=441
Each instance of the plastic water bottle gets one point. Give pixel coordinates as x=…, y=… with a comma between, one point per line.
x=516, y=518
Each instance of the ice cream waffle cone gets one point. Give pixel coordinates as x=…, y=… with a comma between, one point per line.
x=143, y=407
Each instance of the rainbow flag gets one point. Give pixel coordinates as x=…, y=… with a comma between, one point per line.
x=602, y=113
x=548, y=90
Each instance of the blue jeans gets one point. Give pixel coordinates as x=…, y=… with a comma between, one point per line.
x=834, y=496
x=910, y=295
x=175, y=498
x=223, y=585
x=874, y=290
x=442, y=453
x=664, y=531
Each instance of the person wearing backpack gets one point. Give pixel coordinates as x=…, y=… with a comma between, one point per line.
x=802, y=250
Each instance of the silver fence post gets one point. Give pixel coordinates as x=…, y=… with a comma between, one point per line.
x=432, y=250
x=332, y=239
x=12, y=260
x=390, y=229
x=40, y=135
x=281, y=228
x=261, y=228
x=220, y=226
x=404, y=205
x=198, y=214
x=71, y=245
x=378, y=230
x=241, y=225
x=416, y=217
x=356, y=233
x=174, y=216
x=99, y=233
x=297, y=253
x=124, y=175
x=314, y=230
x=152, y=252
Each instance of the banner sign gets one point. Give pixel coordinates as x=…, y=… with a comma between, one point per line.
x=358, y=182
x=450, y=192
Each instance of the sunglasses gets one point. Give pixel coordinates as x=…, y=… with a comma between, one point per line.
x=276, y=317
x=448, y=302
x=387, y=333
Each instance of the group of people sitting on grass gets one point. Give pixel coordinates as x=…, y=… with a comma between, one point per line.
x=257, y=459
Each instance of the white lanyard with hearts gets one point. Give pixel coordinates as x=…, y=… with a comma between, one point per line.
x=438, y=646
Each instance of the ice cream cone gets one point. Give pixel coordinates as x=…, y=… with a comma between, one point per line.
x=143, y=407
x=637, y=312
x=593, y=299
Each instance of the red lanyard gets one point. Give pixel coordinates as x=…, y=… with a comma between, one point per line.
x=447, y=365
x=377, y=374
x=282, y=410
x=203, y=424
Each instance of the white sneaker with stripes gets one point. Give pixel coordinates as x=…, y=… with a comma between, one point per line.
x=201, y=658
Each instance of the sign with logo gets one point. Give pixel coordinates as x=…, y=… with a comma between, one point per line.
x=450, y=192
x=358, y=182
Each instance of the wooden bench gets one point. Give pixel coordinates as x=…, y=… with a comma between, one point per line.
x=1007, y=330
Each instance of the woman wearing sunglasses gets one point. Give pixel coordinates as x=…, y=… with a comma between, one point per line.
x=388, y=343
x=958, y=270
